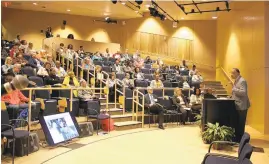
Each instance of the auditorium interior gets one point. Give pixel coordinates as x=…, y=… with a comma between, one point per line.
x=135, y=81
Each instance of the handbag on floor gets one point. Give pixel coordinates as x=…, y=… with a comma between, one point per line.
x=86, y=129
x=33, y=142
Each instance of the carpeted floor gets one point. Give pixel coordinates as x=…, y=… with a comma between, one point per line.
x=175, y=145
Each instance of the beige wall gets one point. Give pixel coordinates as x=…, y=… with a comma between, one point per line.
x=266, y=114
x=241, y=44
x=191, y=40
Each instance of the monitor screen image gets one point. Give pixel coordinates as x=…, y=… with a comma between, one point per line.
x=61, y=127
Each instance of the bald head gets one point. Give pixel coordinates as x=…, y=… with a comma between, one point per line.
x=235, y=73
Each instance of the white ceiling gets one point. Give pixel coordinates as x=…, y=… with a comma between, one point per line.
x=116, y=11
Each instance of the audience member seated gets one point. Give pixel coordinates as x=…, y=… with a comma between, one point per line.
x=98, y=76
x=128, y=82
x=197, y=77
x=125, y=56
x=35, y=62
x=81, y=51
x=177, y=70
x=138, y=62
x=157, y=83
x=8, y=65
x=60, y=72
x=182, y=105
x=29, y=49
x=97, y=56
x=19, y=59
x=107, y=54
x=148, y=60
x=159, y=62
x=185, y=83
x=128, y=68
x=17, y=39
x=44, y=71
x=16, y=101
x=85, y=94
x=14, y=50
x=52, y=79
x=16, y=70
x=117, y=55
x=137, y=53
x=59, y=51
x=184, y=65
x=196, y=101
x=42, y=56
x=209, y=94
x=117, y=67
x=152, y=105
x=50, y=60
x=138, y=75
x=193, y=70
x=23, y=45
x=71, y=80
x=86, y=64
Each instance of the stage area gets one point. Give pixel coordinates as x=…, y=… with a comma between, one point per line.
x=174, y=145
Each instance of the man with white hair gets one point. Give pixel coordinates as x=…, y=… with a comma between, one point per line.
x=151, y=104
x=16, y=70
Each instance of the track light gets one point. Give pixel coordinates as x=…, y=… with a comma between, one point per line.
x=109, y=20
x=114, y=1
x=227, y=4
x=139, y=2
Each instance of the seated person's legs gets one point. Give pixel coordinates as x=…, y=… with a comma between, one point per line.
x=156, y=109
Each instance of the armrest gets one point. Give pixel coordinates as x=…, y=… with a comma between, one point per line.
x=11, y=121
x=11, y=127
x=219, y=155
x=222, y=142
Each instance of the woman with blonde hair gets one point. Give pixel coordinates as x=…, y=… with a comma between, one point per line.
x=8, y=65
x=71, y=80
x=182, y=105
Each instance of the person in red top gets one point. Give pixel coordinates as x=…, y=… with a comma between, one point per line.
x=16, y=101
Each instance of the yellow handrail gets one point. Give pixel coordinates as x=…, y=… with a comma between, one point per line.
x=120, y=83
x=136, y=92
x=226, y=74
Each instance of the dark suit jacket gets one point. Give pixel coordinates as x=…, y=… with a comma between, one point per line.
x=147, y=100
x=176, y=101
x=209, y=96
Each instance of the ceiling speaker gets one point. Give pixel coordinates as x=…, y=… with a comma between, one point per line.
x=114, y=1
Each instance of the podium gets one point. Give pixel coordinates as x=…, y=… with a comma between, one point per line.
x=222, y=111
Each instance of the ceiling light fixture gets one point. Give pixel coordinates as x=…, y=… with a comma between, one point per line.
x=217, y=9
x=182, y=18
x=68, y=10
x=148, y=5
x=136, y=11
x=214, y=17
x=105, y=14
x=162, y=14
x=123, y=3
x=34, y=3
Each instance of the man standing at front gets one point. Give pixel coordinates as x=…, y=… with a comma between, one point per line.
x=240, y=95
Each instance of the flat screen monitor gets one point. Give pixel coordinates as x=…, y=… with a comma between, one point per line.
x=59, y=128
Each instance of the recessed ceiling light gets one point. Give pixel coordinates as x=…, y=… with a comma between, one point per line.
x=147, y=5
x=214, y=17
x=136, y=11
x=182, y=18
x=105, y=14
x=68, y=10
x=123, y=3
x=34, y=3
